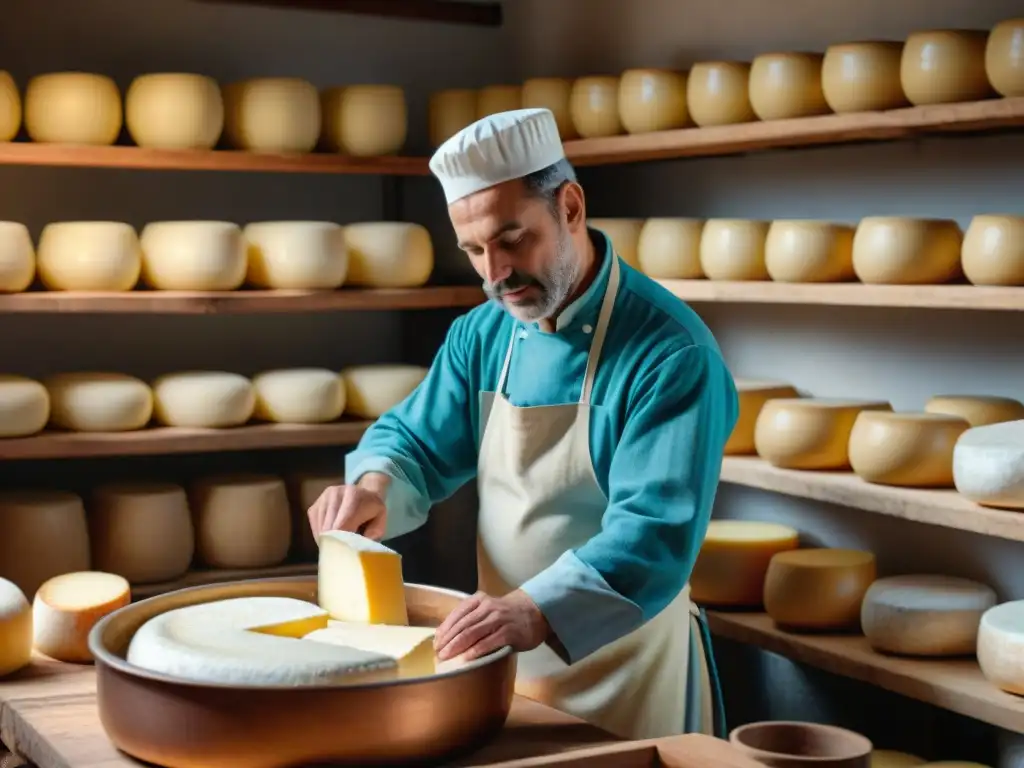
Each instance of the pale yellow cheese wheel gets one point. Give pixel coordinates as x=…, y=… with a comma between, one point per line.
x=171, y=110
x=193, y=256
x=304, y=488
x=903, y=251
x=752, y=396
x=89, y=256
x=272, y=114
x=652, y=100
x=203, y=399
x=15, y=628
x=99, y=402
x=373, y=390
x=863, y=77
x=10, y=107
x=818, y=589
x=977, y=410
x=717, y=93
x=625, y=237
x=68, y=606
x=296, y=254
x=908, y=449
x=24, y=406
x=1001, y=646
x=365, y=120
x=944, y=66
x=733, y=561
x=17, y=257
x=669, y=249
x=993, y=250
x=44, y=535
x=299, y=395
x=594, y=106
x=809, y=433
x=388, y=254
x=887, y=758
x=1004, y=57
x=450, y=111
x=733, y=249
x=804, y=251
x=553, y=93
x=241, y=520
x=73, y=108
x=787, y=85
x=498, y=98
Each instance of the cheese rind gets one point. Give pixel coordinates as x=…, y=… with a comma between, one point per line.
x=388, y=254
x=669, y=249
x=903, y=251
x=1004, y=57
x=906, y=449
x=67, y=607
x=733, y=561
x=798, y=251
x=373, y=390
x=203, y=399
x=863, y=77
x=1001, y=646
x=978, y=410
x=24, y=406
x=15, y=629
x=299, y=395
x=625, y=237
x=364, y=120
x=360, y=580
x=192, y=256
x=594, y=106
x=787, y=85
x=411, y=647
x=733, y=249
x=17, y=257
x=89, y=256
x=296, y=254
x=174, y=110
x=717, y=93
x=241, y=520
x=818, y=589
x=752, y=397
x=652, y=100
x=99, y=402
x=73, y=108
x=272, y=114
x=993, y=247
x=944, y=66
x=988, y=465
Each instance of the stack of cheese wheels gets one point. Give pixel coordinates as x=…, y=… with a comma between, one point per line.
x=241, y=521
x=898, y=250
x=10, y=107
x=818, y=589
x=944, y=66
x=67, y=607
x=733, y=561
x=555, y=94
x=296, y=254
x=594, y=106
x=274, y=114
x=786, y=85
x=15, y=629
x=193, y=256
x=304, y=488
x=1001, y=646
x=373, y=390
x=89, y=256
x=203, y=399
x=172, y=110
x=924, y=615
x=717, y=93
x=498, y=98
x=988, y=465
x=733, y=249
x=907, y=449
x=388, y=254
x=99, y=402
x=888, y=758
x=24, y=406
x=365, y=120
x=448, y=112
x=652, y=100
x=863, y=77
x=993, y=249
x=1004, y=57
x=73, y=108
x=798, y=251
x=752, y=397
x=625, y=237
x=299, y=395
x=978, y=410
x=669, y=249
x=17, y=257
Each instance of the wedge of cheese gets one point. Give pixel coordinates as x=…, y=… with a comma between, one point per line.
x=360, y=580
x=411, y=647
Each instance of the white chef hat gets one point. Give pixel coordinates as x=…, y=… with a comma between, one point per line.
x=496, y=149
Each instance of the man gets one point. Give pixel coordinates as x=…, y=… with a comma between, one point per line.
x=593, y=407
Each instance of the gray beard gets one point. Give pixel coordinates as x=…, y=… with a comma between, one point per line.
x=555, y=285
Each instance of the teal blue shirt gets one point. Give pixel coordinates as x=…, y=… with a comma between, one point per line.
x=663, y=406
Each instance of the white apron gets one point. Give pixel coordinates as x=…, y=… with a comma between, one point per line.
x=539, y=497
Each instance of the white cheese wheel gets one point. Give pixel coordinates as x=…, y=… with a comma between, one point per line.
x=15, y=629
x=73, y=108
x=242, y=521
x=304, y=255
x=818, y=589
x=887, y=758
x=272, y=114
x=17, y=257
x=448, y=112
x=555, y=94
x=203, y=399
x=902, y=251
x=625, y=237
x=44, y=534
x=669, y=249
x=733, y=249
x=944, y=67
x=174, y=110
x=365, y=120
x=863, y=77
x=717, y=93
x=787, y=85
x=1004, y=57
x=67, y=607
x=10, y=107
x=411, y=647
x=193, y=256
x=89, y=256
x=752, y=397
x=360, y=580
x=99, y=402
x=142, y=531
x=373, y=390
x=652, y=100
x=24, y=406
x=993, y=249
x=299, y=395
x=801, y=251
x=493, y=99
x=733, y=561
x=388, y=254
x=594, y=107
x=1001, y=646
x=977, y=410
x=304, y=488
x=908, y=449
x=988, y=465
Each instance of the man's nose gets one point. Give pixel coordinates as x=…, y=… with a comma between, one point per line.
x=497, y=266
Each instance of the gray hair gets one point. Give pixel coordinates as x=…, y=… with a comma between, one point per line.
x=546, y=182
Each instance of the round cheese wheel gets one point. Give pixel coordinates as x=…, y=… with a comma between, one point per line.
x=809, y=433
x=17, y=257
x=10, y=107
x=450, y=111
x=498, y=98
x=73, y=108
x=988, y=465
x=863, y=77
x=171, y=110
x=304, y=488
x=15, y=629
x=752, y=397
x=652, y=100
x=818, y=589
x=373, y=390
x=193, y=256
x=67, y=607
x=272, y=114
x=299, y=395
x=887, y=758
x=977, y=410
x=1004, y=57
x=955, y=764
x=365, y=120
x=296, y=254
x=993, y=250
x=809, y=252
x=625, y=237
x=924, y=615
x=786, y=85
x=203, y=399
x=669, y=249
x=733, y=561
x=44, y=535
x=594, y=107
x=242, y=521
x=909, y=449
x=717, y=93
x=733, y=249
x=89, y=256
x=1001, y=646
x=555, y=94
x=24, y=406
x=142, y=531
x=944, y=67
x=902, y=251
x=388, y=254
x=99, y=402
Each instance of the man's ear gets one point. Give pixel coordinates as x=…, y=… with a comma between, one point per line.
x=571, y=201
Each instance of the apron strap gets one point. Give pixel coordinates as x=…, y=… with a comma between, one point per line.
x=603, y=319
x=508, y=359
x=720, y=728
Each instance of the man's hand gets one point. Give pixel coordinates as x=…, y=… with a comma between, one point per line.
x=357, y=508
x=481, y=624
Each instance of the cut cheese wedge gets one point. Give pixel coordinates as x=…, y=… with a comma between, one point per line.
x=733, y=560
x=887, y=758
x=67, y=607
x=752, y=397
x=978, y=410
x=907, y=449
x=360, y=580
x=373, y=390
x=411, y=647
x=818, y=589
x=99, y=402
x=1001, y=646
x=299, y=395
x=988, y=465
x=15, y=628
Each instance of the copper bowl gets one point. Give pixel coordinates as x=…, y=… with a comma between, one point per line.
x=802, y=745
x=182, y=724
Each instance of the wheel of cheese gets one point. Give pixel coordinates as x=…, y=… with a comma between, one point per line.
x=669, y=249
x=594, y=106
x=388, y=254
x=787, y=85
x=977, y=410
x=373, y=390
x=902, y=251
x=818, y=589
x=365, y=120
x=555, y=94
x=498, y=98
x=908, y=449
x=863, y=77
x=652, y=100
x=752, y=397
x=141, y=531
x=993, y=250
x=10, y=107
x=733, y=561
x=450, y=111
x=73, y=108
x=15, y=629
x=89, y=256
x=924, y=615
x=99, y=402
x=24, y=406
x=203, y=399
x=296, y=254
x=193, y=256
x=1001, y=646
x=242, y=521
x=809, y=252
x=955, y=764
x=733, y=249
x=172, y=110
x=944, y=67
x=272, y=114
x=299, y=395
x=67, y=607
x=304, y=488
x=1004, y=57
x=809, y=433
x=625, y=237
x=988, y=465
x=17, y=257
x=887, y=758
x=718, y=93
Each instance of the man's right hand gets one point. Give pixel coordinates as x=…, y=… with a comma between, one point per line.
x=355, y=508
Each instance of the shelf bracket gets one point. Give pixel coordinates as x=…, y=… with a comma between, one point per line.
x=481, y=14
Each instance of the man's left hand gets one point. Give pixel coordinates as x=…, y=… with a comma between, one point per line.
x=482, y=624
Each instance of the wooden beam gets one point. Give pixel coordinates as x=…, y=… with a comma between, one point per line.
x=447, y=11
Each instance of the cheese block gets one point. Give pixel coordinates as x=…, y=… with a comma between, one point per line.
x=272, y=114
x=99, y=402
x=142, y=531
x=652, y=100
x=733, y=561
x=241, y=520
x=174, y=110
x=887, y=758
x=203, y=399
x=89, y=256
x=977, y=410
x=902, y=251
x=955, y=764
x=809, y=433
x=863, y=77
x=993, y=249
x=67, y=607
x=800, y=251
x=411, y=647
x=988, y=465
x=373, y=390
x=17, y=257
x=193, y=256
x=15, y=629
x=1004, y=57
x=786, y=85
x=908, y=449
x=1001, y=646
x=818, y=589
x=753, y=395
x=10, y=107
x=717, y=93
x=360, y=580
x=252, y=641
x=73, y=108
x=448, y=112
x=594, y=107
x=44, y=535
x=498, y=98
x=625, y=237
x=299, y=395
x=669, y=249
x=24, y=406
x=296, y=254
x=555, y=94
x=733, y=249
x=304, y=488
x=944, y=66
x=388, y=254
x=365, y=120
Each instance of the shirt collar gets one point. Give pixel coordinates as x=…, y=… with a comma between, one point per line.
x=589, y=302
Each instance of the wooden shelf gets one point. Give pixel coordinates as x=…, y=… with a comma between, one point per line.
x=956, y=685
x=199, y=578
x=449, y=11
